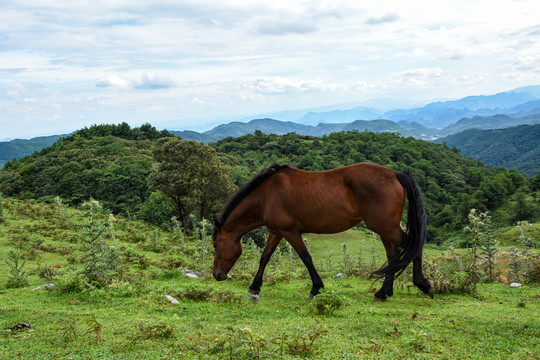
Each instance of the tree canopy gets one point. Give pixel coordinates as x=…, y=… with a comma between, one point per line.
x=192, y=176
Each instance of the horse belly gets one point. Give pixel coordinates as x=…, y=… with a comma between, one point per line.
x=328, y=213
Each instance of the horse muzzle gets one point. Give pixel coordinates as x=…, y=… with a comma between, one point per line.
x=220, y=276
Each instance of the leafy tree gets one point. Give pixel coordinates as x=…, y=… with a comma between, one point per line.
x=157, y=209
x=192, y=176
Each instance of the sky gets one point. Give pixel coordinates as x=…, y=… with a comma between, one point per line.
x=192, y=64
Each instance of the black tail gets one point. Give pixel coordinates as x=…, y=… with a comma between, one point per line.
x=415, y=236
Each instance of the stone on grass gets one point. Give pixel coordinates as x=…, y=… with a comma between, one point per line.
x=340, y=276
x=172, y=300
x=44, y=287
x=515, y=284
x=192, y=274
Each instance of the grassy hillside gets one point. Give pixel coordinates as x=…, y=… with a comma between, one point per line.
x=129, y=316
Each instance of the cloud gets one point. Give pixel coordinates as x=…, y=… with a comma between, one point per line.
x=281, y=86
x=421, y=77
x=276, y=26
x=386, y=18
x=144, y=81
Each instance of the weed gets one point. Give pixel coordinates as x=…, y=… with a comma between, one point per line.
x=326, y=303
x=17, y=276
x=48, y=272
x=301, y=343
x=515, y=273
x=61, y=212
x=100, y=261
x=147, y=330
x=2, y=216
x=227, y=297
x=195, y=293
x=93, y=328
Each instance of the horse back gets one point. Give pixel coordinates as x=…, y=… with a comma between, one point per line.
x=330, y=201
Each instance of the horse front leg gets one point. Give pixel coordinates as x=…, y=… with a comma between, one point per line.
x=271, y=244
x=295, y=239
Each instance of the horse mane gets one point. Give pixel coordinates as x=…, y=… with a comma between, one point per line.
x=245, y=190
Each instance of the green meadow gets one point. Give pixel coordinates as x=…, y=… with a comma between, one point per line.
x=128, y=316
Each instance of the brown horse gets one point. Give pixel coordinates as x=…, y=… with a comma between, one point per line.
x=290, y=202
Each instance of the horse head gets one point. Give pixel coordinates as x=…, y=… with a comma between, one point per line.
x=227, y=249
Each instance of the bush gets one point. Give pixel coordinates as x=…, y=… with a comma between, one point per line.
x=327, y=303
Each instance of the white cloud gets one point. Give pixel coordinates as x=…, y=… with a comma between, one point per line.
x=386, y=18
x=142, y=81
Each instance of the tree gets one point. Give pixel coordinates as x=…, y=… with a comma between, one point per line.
x=192, y=176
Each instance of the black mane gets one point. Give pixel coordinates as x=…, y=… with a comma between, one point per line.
x=245, y=190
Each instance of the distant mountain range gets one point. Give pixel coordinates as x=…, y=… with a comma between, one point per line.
x=403, y=127
x=514, y=148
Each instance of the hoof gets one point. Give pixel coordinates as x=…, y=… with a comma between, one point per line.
x=310, y=297
x=431, y=292
x=254, y=292
x=378, y=299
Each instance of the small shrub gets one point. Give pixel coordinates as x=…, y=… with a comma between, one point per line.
x=195, y=293
x=48, y=272
x=146, y=330
x=17, y=276
x=227, y=297
x=326, y=303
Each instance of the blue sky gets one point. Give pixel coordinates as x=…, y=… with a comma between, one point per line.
x=188, y=64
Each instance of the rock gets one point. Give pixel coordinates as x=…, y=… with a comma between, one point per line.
x=19, y=327
x=192, y=274
x=515, y=285
x=254, y=298
x=172, y=300
x=44, y=287
x=340, y=276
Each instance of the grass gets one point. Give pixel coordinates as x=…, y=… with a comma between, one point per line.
x=132, y=318
x=502, y=323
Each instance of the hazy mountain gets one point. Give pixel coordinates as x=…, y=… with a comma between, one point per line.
x=272, y=126
x=490, y=122
x=441, y=114
x=514, y=148
x=340, y=116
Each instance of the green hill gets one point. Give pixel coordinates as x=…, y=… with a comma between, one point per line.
x=514, y=148
x=110, y=163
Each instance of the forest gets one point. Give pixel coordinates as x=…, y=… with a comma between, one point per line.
x=117, y=165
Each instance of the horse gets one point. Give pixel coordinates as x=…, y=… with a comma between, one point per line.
x=290, y=202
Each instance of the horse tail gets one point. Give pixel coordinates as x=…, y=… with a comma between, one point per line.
x=414, y=237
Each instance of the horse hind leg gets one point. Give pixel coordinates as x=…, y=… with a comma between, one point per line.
x=391, y=242
x=418, y=277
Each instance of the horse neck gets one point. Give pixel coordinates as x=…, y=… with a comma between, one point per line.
x=244, y=218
